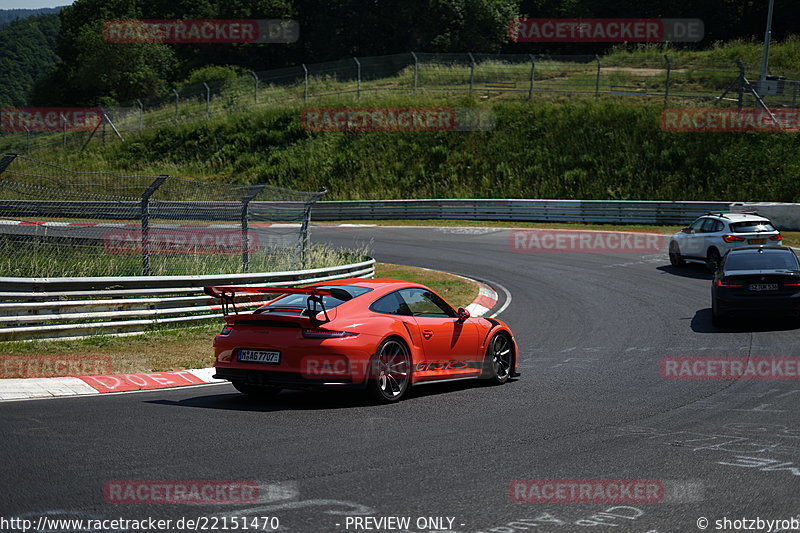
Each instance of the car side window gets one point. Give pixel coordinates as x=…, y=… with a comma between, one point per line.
x=708, y=226
x=422, y=302
x=718, y=226
x=697, y=224
x=391, y=304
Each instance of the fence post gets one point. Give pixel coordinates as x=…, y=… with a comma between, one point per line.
x=145, y=215
x=597, y=80
x=141, y=113
x=27, y=140
x=103, y=123
x=208, y=99
x=305, y=83
x=471, y=71
x=358, y=65
x=177, y=102
x=251, y=193
x=416, y=70
x=255, y=87
x=533, y=72
x=742, y=79
x=666, y=83
x=304, y=232
x=64, y=123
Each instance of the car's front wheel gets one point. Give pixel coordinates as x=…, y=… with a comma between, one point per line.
x=256, y=391
x=499, y=359
x=390, y=371
x=675, y=257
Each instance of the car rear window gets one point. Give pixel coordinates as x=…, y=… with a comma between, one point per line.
x=752, y=227
x=298, y=301
x=761, y=261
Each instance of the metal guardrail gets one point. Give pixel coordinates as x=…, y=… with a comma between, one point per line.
x=591, y=211
x=41, y=308
x=599, y=211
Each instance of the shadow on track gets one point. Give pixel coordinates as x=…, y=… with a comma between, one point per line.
x=744, y=323
x=299, y=400
x=690, y=270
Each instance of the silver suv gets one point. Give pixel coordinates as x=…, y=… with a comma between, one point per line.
x=708, y=238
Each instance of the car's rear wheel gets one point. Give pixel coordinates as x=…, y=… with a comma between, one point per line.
x=712, y=259
x=675, y=257
x=390, y=371
x=499, y=359
x=256, y=391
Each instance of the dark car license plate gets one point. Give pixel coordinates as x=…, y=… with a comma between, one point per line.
x=764, y=287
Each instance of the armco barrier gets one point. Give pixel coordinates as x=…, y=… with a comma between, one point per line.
x=600, y=211
x=40, y=308
x=591, y=211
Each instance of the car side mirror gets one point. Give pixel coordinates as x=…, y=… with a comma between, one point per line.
x=463, y=314
x=687, y=229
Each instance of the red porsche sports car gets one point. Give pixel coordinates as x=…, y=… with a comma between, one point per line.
x=384, y=335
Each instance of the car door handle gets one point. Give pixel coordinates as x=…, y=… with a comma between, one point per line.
x=427, y=333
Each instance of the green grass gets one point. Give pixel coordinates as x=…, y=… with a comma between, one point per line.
x=43, y=259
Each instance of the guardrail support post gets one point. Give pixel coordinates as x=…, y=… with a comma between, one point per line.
x=666, y=82
x=255, y=87
x=141, y=113
x=305, y=83
x=597, y=79
x=177, y=102
x=416, y=70
x=252, y=193
x=471, y=71
x=208, y=98
x=358, y=68
x=533, y=73
x=305, y=234
x=145, y=215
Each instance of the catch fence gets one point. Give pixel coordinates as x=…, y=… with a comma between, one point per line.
x=56, y=222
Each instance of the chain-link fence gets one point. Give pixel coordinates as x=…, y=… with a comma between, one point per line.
x=484, y=76
x=56, y=222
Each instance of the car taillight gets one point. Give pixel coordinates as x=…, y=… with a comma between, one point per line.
x=776, y=237
x=791, y=284
x=326, y=334
x=732, y=238
x=227, y=328
x=722, y=283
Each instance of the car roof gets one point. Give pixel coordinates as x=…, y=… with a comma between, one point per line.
x=737, y=217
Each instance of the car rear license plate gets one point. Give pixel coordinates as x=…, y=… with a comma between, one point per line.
x=764, y=287
x=757, y=241
x=259, y=356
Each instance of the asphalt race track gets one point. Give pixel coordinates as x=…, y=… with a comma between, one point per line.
x=591, y=404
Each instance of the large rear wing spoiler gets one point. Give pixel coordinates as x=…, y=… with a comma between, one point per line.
x=315, y=304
